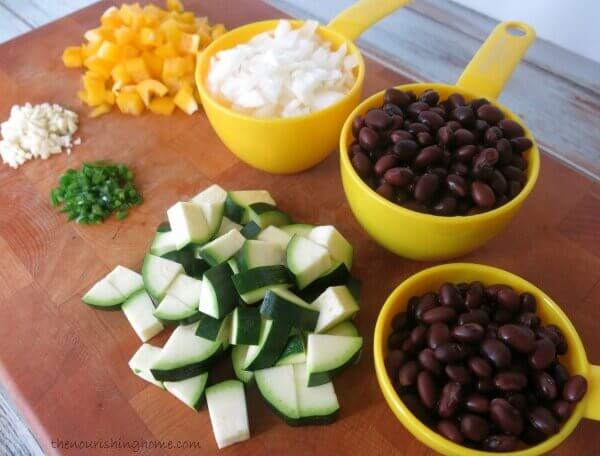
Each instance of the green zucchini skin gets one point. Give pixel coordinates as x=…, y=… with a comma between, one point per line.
x=272, y=347
x=338, y=275
x=108, y=308
x=278, y=308
x=265, y=214
x=252, y=280
x=209, y=327
x=319, y=378
x=163, y=227
x=185, y=372
x=250, y=230
x=248, y=325
x=186, y=257
x=226, y=297
x=184, y=321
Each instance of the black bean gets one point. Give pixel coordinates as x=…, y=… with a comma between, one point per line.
x=480, y=367
x=368, y=138
x=543, y=354
x=546, y=385
x=417, y=127
x=438, y=334
x=458, y=373
x=455, y=100
x=500, y=443
x=431, y=97
x=542, y=419
x=496, y=352
x=425, y=139
x=386, y=191
x=468, y=333
x=407, y=375
x=506, y=417
x=491, y=136
x=378, y=120
x=426, y=187
x=397, y=97
x=361, y=164
x=433, y=120
x=464, y=115
x=474, y=316
x=396, y=339
x=498, y=183
x=521, y=144
x=384, y=163
x=414, y=109
x=477, y=403
x=474, y=427
x=449, y=353
x=463, y=137
x=426, y=302
x=518, y=337
x=445, y=206
x=428, y=156
x=562, y=410
x=511, y=129
x=427, y=389
x=575, y=388
x=510, y=381
x=513, y=173
x=490, y=113
x=398, y=176
x=357, y=124
x=477, y=103
x=483, y=195
x=450, y=399
x=451, y=430
x=405, y=149
x=393, y=361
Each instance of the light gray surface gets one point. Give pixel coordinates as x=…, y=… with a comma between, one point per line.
x=429, y=40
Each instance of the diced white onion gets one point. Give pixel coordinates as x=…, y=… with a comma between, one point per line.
x=285, y=72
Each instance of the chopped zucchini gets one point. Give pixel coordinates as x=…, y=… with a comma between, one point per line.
x=172, y=311
x=218, y=296
x=250, y=231
x=259, y=253
x=273, y=338
x=252, y=285
x=294, y=352
x=237, y=202
x=283, y=305
x=158, y=274
x=222, y=248
x=335, y=305
x=142, y=360
x=189, y=391
x=189, y=224
x=228, y=414
x=264, y=214
x=327, y=356
x=275, y=235
x=238, y=356
x=307, y=260
x=339, y=248
x=245, y=326
x=139, y=311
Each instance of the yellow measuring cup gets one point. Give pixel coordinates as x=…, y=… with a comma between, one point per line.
x=430, y=280
x=428, y=237
x=289, y=145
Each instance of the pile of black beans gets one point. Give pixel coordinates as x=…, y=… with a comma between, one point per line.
x=449, y=157
x=477, y=365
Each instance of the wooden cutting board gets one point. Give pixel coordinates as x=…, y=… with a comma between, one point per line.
x=65, y=364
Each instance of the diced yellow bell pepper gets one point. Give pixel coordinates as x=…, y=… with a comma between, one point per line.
x=98, y=66
x=186, y=17
x=110, y=18
x=124, y=35
x=109, y=97
x=185, y=101
x=93, y=35
x=72, y=57
x=100, y=110
x=130, y=103
x=94, y=90
x=162, y=105
x=137, y=69
x=108, y=51
x=130, y=52
x=189, y=43
x=174, y=67
x=217, y=31
x=154, y=64
x=150, y=37
x=175, y=5
x=150, y=87
x=127, y=13
x=166, y=51
x=120, y=75
x=90, y=49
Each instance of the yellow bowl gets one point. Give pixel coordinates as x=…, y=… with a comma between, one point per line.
x=290, y=145
x=428, y=237
x=430, y=280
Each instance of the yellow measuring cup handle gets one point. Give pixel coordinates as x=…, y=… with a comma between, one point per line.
x=363, y=14
x=496, y=59
x=592, y=397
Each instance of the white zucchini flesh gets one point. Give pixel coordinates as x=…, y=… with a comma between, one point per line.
x=213, y=214
x=213, y=194
x=188, y=391
x=139, y=311
x=313, y=401
x=223, y=247
x=277, y=385
x=345, y=328
x=188, y=223
x=227, y=225
x=125, y=280
x=339, y=248
x=163, y=243
x=142, y=360
x=238, y=356
x=184, y=348
x=158, y=274
x=335, y=305
x=171, y=308
x=275, y=235
x=103, y=294
x=186, y=289
x=228, y=413
x=326, y=353
x=254, y=254
x=307, y=260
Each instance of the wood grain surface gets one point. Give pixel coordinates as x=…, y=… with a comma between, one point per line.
x=65, y=365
